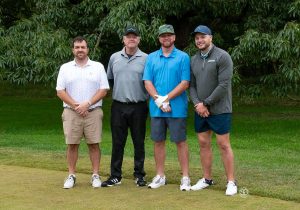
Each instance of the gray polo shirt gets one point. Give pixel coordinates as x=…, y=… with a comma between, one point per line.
x=211, y=80
x=127, y=74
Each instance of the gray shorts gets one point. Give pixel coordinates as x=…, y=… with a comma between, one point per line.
x=177, y=127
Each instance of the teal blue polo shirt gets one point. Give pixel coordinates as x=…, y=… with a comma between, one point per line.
x=166, y=73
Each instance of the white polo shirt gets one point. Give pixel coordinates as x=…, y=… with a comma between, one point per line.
x=82, y=83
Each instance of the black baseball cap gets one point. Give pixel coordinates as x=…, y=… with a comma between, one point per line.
x=131, y=29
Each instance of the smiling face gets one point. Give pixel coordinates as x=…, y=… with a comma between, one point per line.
x=203, y=41
x=167, y=40
x=80, y=50
x=131, y=40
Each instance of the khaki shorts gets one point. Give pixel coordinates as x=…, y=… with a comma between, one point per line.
x=77, y=127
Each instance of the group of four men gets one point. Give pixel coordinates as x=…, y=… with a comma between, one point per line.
x=165, y=75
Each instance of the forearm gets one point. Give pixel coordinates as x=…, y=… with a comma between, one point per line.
x=100, y=94
x=216, y=95
x=64, y=96
x=179, y=89
x=193, y=90
x=150, y=89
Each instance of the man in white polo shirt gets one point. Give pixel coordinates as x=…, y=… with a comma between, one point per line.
x=81, y=85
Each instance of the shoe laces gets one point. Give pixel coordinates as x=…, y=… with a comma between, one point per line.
x=71, y=177
x=95, y=176
x=157, y=179
x=231, y=184
x=185, y=181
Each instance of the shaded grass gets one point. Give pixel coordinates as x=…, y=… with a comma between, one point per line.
x=265, y=140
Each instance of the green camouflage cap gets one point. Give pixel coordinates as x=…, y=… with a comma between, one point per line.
x=164, y=29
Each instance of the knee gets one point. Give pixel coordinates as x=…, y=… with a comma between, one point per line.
x=93, y=147
x=204, y=143
x=224, y=146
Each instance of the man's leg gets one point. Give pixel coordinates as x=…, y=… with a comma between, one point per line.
x=137, y=124
x=227, y=155
x=72, y=156
x=119, y=131
x=183, y=157
x=95, y=156
x=204, y=139
x=160, y=156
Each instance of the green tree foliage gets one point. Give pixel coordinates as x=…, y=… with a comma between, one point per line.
x=261, y=35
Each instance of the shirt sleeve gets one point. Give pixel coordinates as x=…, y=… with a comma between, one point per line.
x=225, y=71
x=103, y=78
x=193, y=90
x=186, y=68
x=110, y=74
x=148, y=74
x=61, y=84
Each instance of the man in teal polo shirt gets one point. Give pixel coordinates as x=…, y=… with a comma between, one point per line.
x=166, y=77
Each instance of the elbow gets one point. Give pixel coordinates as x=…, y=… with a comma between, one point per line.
x=186, y=85
x=58, y=93
x=104, y=93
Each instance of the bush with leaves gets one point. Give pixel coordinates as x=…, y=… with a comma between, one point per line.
x=261, y=35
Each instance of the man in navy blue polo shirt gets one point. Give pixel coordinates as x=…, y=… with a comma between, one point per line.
x=166, y=77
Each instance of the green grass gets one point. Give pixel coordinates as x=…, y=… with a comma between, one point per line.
x=265, y=139
x=42, y=189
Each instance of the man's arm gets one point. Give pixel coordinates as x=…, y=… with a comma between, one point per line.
x=180, y=88
x=64, y=96
x=225, y=72
x=151, y=89
x=198, y=105
x=83, y=107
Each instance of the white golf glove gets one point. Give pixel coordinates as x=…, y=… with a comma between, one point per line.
x=160, y=99
x=165, y=105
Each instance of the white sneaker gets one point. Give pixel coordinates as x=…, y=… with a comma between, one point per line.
x=96, y=181
x=157, y=181
x=70, y=181
x=201, y=184
x=231, y=188
x=185, y=184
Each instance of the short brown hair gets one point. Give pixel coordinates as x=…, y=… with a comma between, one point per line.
x=79, y=39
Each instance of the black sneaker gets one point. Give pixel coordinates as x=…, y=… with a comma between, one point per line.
x=111, y=182
x=140, y=182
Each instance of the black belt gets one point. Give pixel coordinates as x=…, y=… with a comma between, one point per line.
x=92, y=109
x=130, y=103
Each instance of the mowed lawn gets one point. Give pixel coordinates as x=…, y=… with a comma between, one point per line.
x=265, y=139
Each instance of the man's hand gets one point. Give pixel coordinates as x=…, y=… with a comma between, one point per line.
x=82, y=108
x=201, y=110
x=166, y=107
x=160, y=99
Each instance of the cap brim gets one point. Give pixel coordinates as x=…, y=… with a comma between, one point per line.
x=131, y=32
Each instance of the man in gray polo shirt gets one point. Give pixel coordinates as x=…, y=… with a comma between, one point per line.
x=129, y=108
x=210, y=90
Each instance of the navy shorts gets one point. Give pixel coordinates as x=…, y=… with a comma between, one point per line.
x=220, y=123
x=177, y=127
